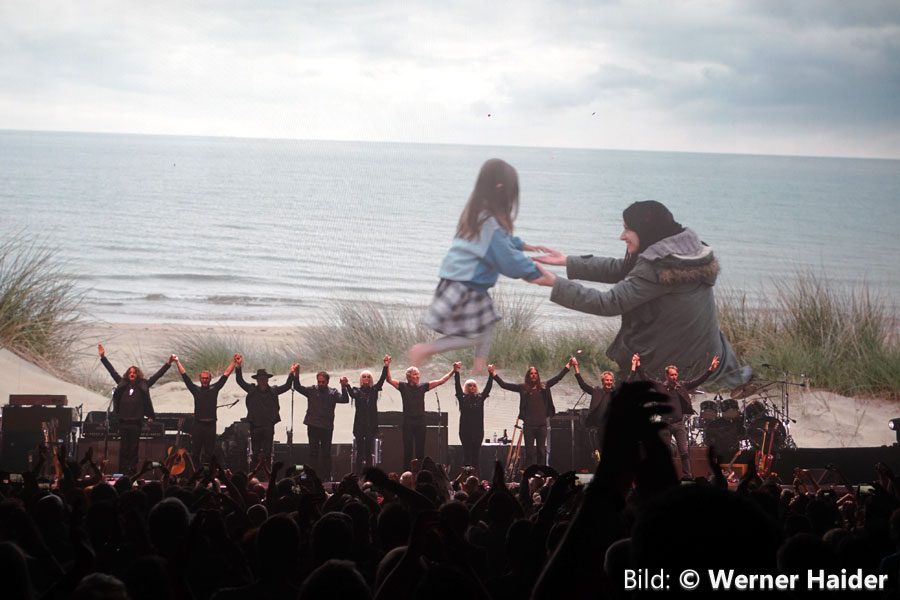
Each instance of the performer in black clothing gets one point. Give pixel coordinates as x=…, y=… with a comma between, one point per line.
x=413, y=395
x=595, y=419
x=678, y=394
x=535, y=407
x=131, y=403
x=206, y=395
x=365, y=420
x=471, y=415
x=262, y=407
x=319, y=420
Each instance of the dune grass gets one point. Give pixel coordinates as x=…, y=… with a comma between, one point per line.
x=842, y=338
x=212, y=351
x=39, y=303
x=360, y=333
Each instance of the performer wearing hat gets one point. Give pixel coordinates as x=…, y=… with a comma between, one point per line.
x=262, y=406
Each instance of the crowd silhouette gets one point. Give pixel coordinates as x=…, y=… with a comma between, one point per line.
x=427, y=534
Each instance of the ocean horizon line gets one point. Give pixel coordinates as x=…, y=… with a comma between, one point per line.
x=189, y=136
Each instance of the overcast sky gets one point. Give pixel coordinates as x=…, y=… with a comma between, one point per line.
x=765, y=77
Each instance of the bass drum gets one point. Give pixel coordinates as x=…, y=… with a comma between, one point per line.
x=730, y=409
x=754, y=411
x=767, y=434
x=725, y=436
x=709, y=411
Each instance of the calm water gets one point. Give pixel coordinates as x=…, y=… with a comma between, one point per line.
x=160, y=229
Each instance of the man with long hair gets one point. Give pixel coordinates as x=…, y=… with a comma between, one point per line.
x=131, y=404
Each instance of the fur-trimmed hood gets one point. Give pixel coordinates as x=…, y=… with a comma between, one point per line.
x=682, y=258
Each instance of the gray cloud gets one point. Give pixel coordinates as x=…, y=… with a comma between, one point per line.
x=791, y=69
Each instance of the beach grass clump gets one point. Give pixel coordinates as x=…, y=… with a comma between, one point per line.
x=39, y=303
x=841, y=338
x=212, y=351
x=360, y=333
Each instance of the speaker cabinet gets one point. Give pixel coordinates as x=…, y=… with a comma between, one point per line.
x=564, y=455
x=23, y=432
x=152, y=450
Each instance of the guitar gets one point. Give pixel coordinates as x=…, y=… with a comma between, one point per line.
x=177, y=457
x=49, y=431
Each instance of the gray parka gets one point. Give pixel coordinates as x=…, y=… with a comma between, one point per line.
x=667, y=305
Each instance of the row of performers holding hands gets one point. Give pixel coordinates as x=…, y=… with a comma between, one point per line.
x=132, y=403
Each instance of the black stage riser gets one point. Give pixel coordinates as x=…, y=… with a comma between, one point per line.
x=856, y=464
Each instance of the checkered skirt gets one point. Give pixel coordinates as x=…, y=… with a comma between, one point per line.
x=460, y=310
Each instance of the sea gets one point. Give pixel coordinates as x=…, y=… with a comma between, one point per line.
x=211, y=230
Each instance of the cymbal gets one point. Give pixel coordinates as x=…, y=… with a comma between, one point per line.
x=743, y=391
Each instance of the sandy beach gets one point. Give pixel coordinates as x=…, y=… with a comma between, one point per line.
x=823, y=419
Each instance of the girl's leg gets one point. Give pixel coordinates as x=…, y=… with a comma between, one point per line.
x=420, y=352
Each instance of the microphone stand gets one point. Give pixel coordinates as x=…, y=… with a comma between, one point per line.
x=441, y=459
x=106, y=432
x=290, y=433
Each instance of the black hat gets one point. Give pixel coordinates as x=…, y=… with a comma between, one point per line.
x=651, y=221
x=261, y=373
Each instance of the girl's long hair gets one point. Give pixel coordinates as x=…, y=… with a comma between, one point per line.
x=496, y=194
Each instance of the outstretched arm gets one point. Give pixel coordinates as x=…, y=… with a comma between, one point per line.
x=456, y=367
x=512, y=387
x=556, y=379
x=697, y=382
x=280, y=389
x=162, y=370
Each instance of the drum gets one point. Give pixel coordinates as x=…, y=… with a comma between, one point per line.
x=767, y=434
x=709, y=411
x=730, y=409
x=754, y=411
x=725, y=435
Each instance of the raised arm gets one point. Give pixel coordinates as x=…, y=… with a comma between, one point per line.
x=512, y=387
x=112, y=371
x=340, y=397
x=303, y=389
x=190, y=385
x=697, y=382
x=292, y=377
x=456, y=367
x=556, y=378
x=238, y=373
x=220, y=382
x=390, y=380
x=384, y=373
x=487, y=386
x=585, y=387
x=459, y=390
x=162, y=370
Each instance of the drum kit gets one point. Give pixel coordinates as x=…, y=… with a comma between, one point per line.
x=749, y=420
